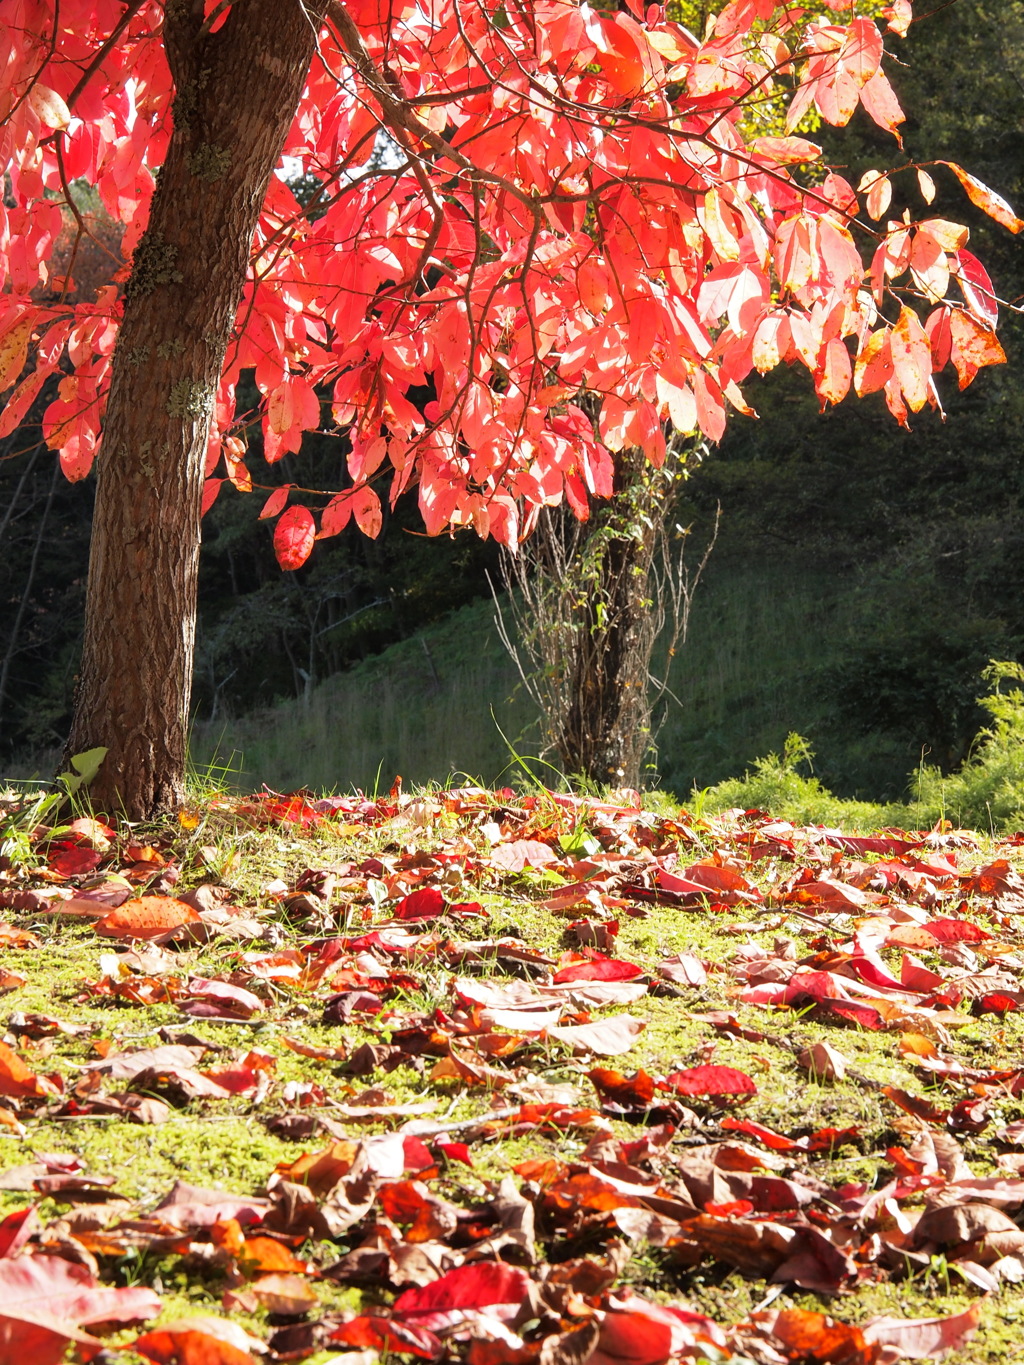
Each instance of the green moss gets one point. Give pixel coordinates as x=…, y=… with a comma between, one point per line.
x=189, y=398
x=226, y=1143
x=154, y=264
x=210, y=163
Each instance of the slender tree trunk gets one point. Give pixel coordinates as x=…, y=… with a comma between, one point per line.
x=590, y=602
x=605, y=733
x=236, y=94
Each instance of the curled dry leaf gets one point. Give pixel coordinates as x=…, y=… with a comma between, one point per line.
x=823, y=1062
x=606, y=1037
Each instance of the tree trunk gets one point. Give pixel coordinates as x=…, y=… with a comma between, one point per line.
x=590, y=601
x=236, y=94
x=605, y=732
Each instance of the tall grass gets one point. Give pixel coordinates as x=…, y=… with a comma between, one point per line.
x=426, y=708
x=442, y=701
x=748, y=672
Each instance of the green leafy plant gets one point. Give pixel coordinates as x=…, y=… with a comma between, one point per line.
x=988, y=790
x=84, y=768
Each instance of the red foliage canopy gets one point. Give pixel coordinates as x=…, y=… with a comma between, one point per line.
x=564, y=202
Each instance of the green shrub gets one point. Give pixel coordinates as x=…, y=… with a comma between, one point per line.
x=775, y=784
x=988, y=791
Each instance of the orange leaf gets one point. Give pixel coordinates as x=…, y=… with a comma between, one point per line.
x=366, y=510
x=264, y=1255
x=987, y=200
x=14, y=351
x=832, y=379
x=911, y=358
x=19, y=1080
x=146, y=917
x=196, y=1341
x=973, y=345
x=874, y=364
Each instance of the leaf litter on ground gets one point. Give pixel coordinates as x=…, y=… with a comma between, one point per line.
x=551, y=1081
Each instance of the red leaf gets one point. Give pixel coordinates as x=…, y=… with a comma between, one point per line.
x=976, y=286
x=211, y=487
x=733, y=1208
x=426, y=903
x=775, y=1142
x=597, y=968
x=997, y=1003
x=862, y=1016
x=635, y=1332
x=453, y=1151
x=17, y=1228
x=955, y=931
x=74, y=862
x=492, y=1285
x=710, y=1080
x=45, y=1300
x=294, y=536
x=382, y=1335
x=275, y=502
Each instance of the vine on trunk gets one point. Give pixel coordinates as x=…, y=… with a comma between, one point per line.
x=590, y=600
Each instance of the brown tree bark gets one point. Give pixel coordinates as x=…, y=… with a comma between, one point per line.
x=605, y=732
x=591, y=600
x=236, y=94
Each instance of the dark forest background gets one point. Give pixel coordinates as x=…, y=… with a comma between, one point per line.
x=862, y=578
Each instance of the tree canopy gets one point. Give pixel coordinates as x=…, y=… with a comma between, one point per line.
x=515, y=206
x=567, y=200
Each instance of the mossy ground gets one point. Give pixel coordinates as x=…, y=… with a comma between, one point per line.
x=226, y=1144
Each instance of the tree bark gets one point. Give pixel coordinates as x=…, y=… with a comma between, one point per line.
x=605, y=733
x=237, y=91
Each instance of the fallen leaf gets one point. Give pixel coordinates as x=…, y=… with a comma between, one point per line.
x=823, y=1062
x=606, y=1037
x=596, y=968
x=925, y=1338
x=199, y=1340
x=521, y=854
x=19, y=1080
x=710, y=1080
x=46, y=1300
x=490, y=1285
x=148, y=917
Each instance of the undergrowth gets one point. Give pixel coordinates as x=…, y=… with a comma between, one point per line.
x=986, y=793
